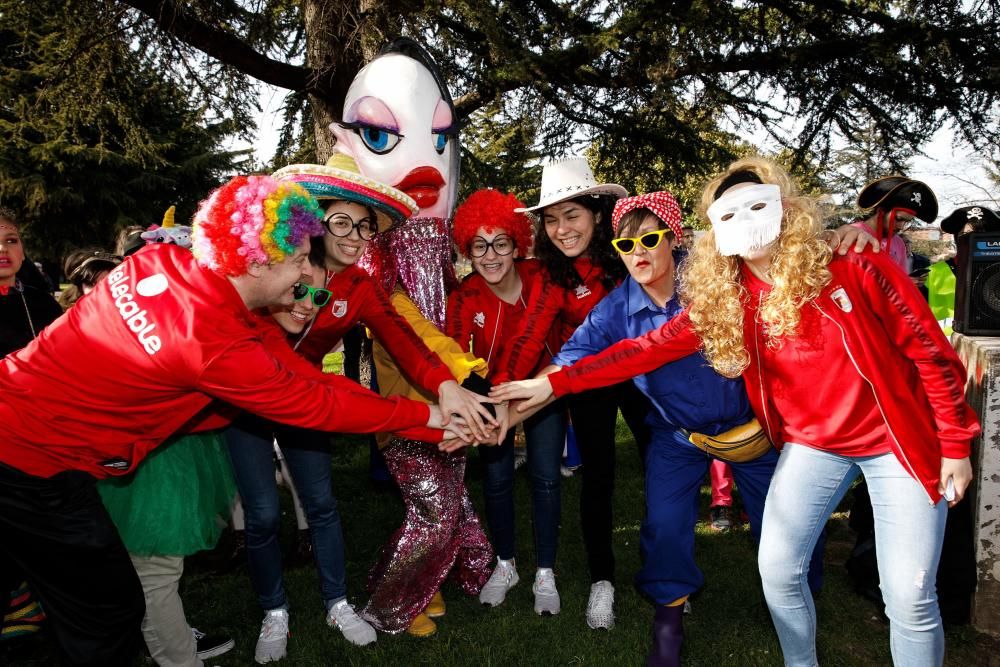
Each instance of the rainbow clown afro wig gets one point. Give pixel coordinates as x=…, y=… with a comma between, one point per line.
x=253, y=220
x=492, y=210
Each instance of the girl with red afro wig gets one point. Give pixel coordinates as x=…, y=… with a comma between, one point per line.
x=492, y=210
x=484, y=313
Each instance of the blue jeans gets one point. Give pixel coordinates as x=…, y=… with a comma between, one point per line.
x=808, y=483
x=307, y=454
x=545, y=433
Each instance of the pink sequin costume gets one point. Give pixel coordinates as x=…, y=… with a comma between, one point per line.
x=441, y=533
x=417, y=254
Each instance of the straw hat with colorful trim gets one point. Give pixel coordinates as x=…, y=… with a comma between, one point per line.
x=340, y=179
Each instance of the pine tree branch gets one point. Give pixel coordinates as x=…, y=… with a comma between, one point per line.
x=227, y=48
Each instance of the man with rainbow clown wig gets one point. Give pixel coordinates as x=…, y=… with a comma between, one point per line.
x=166, y=343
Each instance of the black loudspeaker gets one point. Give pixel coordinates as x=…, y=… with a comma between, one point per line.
x=977, y=284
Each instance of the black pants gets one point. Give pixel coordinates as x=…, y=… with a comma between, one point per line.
x=594, y=415
x=57, y=532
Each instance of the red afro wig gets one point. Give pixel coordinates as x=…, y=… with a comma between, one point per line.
x=491, y=210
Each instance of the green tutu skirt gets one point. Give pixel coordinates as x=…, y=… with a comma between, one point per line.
x=176, y=501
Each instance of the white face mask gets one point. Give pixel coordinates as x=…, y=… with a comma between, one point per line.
x=746, y=220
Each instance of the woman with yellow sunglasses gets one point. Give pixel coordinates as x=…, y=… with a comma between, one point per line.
x=694, y=408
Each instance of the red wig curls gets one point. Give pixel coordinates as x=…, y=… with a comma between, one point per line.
x=492, y=210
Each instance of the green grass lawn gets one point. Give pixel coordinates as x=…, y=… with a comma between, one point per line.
x=729, y=625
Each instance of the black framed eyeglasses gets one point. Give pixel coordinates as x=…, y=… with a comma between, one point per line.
x=502, y=245
x=341, y=225
x=650, y=240
x=320, y=296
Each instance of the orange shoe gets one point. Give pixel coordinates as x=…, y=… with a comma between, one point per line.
x=422, y=626
x=436, y=607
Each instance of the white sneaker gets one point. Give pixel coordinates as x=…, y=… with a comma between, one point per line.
x=272, y=643
x=546, y=595
x=503, y=579
x=600, y=607
x=356, y=629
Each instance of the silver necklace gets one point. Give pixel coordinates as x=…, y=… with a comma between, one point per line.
x=20, y=289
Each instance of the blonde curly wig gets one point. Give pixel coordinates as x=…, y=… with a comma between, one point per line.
x=711, y=283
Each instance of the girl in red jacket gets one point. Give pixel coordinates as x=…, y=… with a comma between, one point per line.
x=846, y=366
x=484, y=313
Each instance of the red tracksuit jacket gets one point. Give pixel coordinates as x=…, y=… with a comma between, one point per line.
x=484, y=324
x=143, y=356
x=356, y=298
x=549, y=306
x=890, y=335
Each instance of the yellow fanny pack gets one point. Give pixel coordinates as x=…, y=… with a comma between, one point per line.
x=737, y=445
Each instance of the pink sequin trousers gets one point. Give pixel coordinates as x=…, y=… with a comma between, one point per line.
x=441, y=534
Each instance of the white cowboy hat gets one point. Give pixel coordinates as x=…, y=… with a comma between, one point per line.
x=568, y=178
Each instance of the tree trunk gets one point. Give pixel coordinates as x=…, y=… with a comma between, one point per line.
x=341, y=36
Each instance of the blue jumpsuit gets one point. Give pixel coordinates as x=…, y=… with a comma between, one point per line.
x=686, y=394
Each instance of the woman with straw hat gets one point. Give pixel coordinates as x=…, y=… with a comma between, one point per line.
x=356, y=208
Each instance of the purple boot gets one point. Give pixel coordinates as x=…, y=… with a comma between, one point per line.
x=668, y=635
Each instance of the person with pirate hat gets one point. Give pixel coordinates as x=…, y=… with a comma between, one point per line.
x=941, y=276
x=887, y=204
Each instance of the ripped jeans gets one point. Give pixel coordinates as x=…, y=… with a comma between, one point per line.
x=807, y=485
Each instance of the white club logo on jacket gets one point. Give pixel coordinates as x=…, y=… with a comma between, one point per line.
x=339, y=308
x=480, y=319
x=152, y=286
x=839, y=297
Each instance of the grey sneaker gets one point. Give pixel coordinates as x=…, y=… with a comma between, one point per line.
x=355, y=629
x=503, y=579
x=720, y=519
x=600, y=607
x=546, y=595
x=272, y=644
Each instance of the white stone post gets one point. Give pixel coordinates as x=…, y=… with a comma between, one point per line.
x=982, y=359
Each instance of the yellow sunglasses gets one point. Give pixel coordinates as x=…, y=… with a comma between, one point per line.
x=650, y=240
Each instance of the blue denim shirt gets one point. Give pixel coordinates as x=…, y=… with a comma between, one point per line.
x=685, y=393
